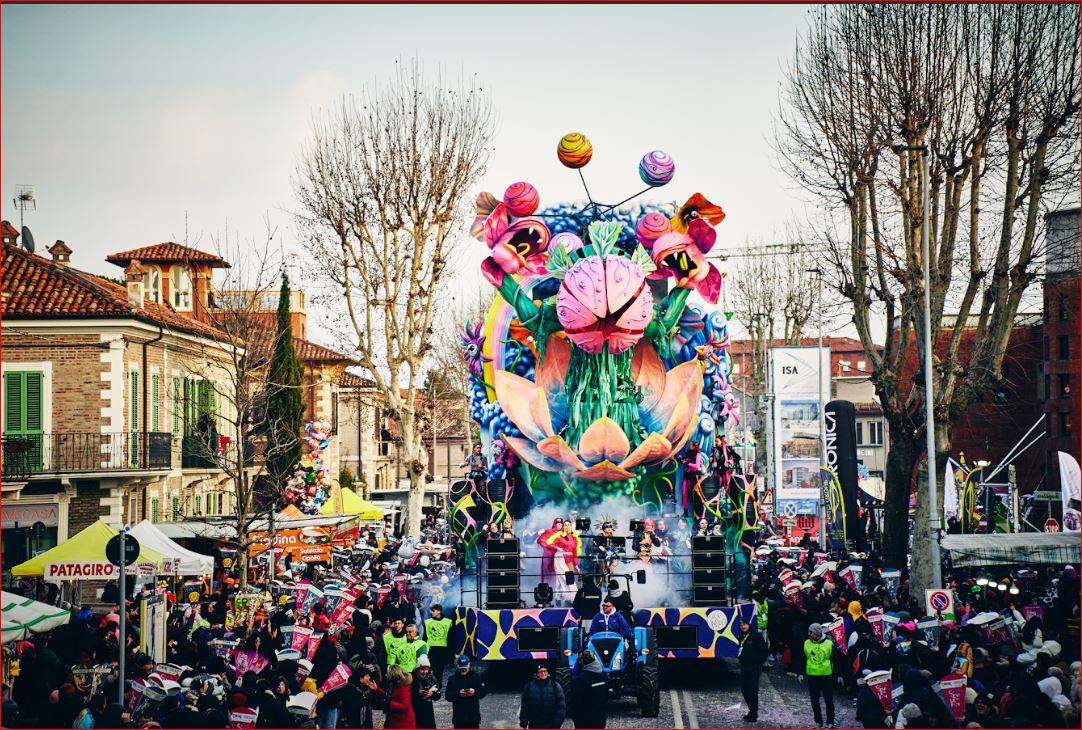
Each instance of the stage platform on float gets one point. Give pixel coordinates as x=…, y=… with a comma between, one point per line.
x=705, y=632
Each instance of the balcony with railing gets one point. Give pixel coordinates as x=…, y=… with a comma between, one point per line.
x=29, y=455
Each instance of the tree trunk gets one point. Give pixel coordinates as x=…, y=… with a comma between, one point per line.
x=901, y=458
x=415, y=471
x=242, y=563
x=920, y=575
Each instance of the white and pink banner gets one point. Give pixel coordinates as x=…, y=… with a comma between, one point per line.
x=881, y=686
x=953, y=690
x=301, y=635
x=336, y=679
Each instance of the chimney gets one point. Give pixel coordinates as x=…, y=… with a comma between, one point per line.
x=8, y=233
x=135, y=277
x=61, y=253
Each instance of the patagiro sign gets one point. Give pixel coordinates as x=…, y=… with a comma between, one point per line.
x=80, y=570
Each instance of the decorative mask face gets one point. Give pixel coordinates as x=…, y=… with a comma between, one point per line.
x=604, y=301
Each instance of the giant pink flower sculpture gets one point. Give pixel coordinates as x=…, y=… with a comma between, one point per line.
x=668, y=413
x=683, y=256
x=604, y=301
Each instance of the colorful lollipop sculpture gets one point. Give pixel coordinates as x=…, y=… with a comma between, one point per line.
x=581, y=367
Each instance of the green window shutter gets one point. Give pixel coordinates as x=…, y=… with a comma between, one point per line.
x=13, y=403
x=153, y=402
x=134, y=401
x=198, y=504
x=210, y=505
x=154, y=510
x=33, y=406
x=176, y=406
x=176, y=508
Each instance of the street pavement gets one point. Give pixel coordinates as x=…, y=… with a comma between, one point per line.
x=693, y=695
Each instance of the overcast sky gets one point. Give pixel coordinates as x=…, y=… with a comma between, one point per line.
x=124, y=118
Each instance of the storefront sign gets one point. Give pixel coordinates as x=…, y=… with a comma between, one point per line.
x=307, y=545
x=27, y=514
x=88, y=570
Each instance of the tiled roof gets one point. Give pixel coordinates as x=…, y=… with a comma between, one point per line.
x=352, y=380
x=36, y=288
x=167, y=253
x=261, y=346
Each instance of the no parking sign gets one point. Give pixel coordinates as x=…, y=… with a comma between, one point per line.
x=939, y=602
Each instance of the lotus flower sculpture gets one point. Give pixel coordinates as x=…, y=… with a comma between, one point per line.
x=666, y=417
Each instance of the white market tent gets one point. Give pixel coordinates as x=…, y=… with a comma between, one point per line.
x=972, y=551
x=188, y=562
x=21, y=616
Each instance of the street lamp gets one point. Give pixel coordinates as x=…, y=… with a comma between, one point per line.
x=929, y=410
x=822, y=416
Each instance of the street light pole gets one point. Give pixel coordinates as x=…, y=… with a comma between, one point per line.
x=929, y=400
x=822, y=417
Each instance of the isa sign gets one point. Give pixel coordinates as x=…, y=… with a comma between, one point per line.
x=939, y=602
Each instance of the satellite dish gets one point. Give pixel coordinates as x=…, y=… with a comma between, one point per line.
x=28, y=239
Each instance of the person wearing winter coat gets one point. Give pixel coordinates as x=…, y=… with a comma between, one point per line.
x=399, y=701
x=543, y=704
x=609, y=619
x=753, y=654
x=423, y=692
x=819, y=651
x=464, y=691
x=588, y=704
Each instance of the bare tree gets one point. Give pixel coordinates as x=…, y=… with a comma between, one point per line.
x=383, y=186
x=226, y=388
x=992, y=93
x=774, y=301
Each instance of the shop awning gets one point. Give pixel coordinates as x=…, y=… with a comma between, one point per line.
x=1026, y=548
x=20, y=616
x=188, y=562
x=87, y=546
x=354, y=506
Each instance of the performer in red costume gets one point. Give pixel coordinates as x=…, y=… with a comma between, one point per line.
x=548, y=550
x=567, y=545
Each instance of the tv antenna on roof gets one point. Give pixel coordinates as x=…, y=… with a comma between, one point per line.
x=24, y=199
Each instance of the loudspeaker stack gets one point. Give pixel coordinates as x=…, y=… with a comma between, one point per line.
x=708, y=570
x=502, y=571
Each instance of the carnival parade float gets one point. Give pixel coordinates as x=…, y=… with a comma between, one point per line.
x=596, y=383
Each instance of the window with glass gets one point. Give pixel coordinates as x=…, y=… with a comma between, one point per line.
x=154, y=284
x=875, y=433
x=1063, y=347
x=181, y=284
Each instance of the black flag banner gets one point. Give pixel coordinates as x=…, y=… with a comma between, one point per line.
x=841, y=460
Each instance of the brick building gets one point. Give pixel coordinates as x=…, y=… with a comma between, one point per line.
x=113, y=402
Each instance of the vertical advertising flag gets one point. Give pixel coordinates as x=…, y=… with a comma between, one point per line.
x=840, y=419
x=1070, y=477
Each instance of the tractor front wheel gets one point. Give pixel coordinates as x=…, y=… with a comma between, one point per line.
x=649, y=692
x=562, y=675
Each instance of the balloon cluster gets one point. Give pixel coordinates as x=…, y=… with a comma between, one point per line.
x=310, y=486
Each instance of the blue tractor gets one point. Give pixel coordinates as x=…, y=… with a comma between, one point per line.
x=629, y=665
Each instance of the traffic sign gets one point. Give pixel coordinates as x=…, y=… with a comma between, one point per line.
x=1051, y=525
x=939, y=602
x=131, y=550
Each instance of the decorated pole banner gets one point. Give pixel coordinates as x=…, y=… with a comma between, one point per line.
x=952, y=688
x=311, y=598
x=249, y=661
x=135, y=694
x=821, y=558
x=169, y=672
x=890, y=624
x=876, y=621
x=939, y=602
x=784, y=576
x=313, y=643
x=792, y=594
x=892, y=578
x=301, y=592
x=853, y=576
x=342, y=613
x=301, y=635
x=997, y=633
x=836, y=629
x=881, y=686
x=1032, y=610
x=929, y=629
x=243, y=717
x=841, y=457
x=337, y=679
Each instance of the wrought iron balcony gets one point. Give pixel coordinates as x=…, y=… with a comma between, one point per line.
x=85, y=453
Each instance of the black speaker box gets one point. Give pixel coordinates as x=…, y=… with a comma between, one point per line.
x=709, y=576
x=708, y=595
x=503, y=562
x=708, y=543
x=502, y=578
x=502, y=597
x=502, y=546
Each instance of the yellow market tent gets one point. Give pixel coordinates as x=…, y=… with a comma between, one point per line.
x=87, y=546
x=352, y=504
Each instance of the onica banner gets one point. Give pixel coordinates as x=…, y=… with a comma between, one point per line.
x=841, y=459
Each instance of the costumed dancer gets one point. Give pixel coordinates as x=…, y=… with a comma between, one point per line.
x=548, y=550
x=694, y=465
x=478, y=465
x=568, y=546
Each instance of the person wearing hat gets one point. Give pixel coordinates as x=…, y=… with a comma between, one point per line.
x=752, y=656
x=819, y=672
x=588, y=703
x=543, y=704
x=465, y=691
x=424, y=691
